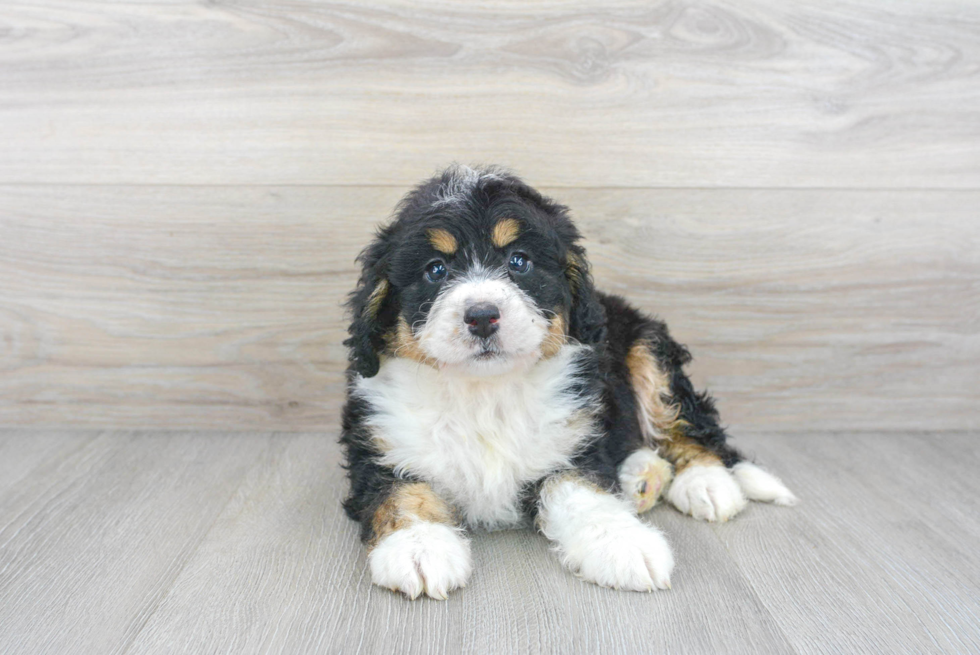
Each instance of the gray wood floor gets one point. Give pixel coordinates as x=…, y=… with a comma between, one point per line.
x=196, y=542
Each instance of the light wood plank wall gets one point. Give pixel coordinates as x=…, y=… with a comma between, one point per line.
x=184, y=186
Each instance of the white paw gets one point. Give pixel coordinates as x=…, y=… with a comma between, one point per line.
x=707, y=492
x=761, y=485
x=634, y=557
x=429, y=557
x=643, y=476
x=600, y=539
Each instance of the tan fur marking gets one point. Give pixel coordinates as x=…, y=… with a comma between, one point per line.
x=682, y=451
x=442, y=241
x=574, y=271
x=407, y=504
x=376, y=298
x=505, y=232
x=658, y=415
x=401, y=342
x=555, y=338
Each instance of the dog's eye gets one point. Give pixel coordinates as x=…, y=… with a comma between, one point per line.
x=520, y=263
x=435, y=271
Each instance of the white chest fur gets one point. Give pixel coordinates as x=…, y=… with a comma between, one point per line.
x=478, y=441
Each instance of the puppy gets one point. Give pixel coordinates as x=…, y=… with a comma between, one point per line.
x=491, y=385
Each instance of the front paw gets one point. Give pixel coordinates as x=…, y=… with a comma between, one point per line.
x=600, y=539
x=632, y=556
x=707, y=492
x=430, y=557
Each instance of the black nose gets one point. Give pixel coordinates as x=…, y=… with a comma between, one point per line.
x=483, y=318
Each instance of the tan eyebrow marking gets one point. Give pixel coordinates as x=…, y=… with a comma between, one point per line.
x=442, y=241
x=505, y=231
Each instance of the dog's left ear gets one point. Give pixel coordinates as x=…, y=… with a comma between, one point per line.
x=587, y=317
x=372, y=307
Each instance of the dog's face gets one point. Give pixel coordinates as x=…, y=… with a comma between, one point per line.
x=478, y=275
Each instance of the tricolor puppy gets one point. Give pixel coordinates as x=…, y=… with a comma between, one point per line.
x=491, y=385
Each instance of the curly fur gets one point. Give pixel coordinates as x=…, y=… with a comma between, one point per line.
x=546, y=393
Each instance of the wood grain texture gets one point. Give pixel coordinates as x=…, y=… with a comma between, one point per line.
x=195, y=543
x=22, y=452
x=220, y=307
x=889, y=523
x=91, y=541
x=627, y=93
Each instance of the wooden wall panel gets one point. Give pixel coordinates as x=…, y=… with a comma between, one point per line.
x=630, y=93
x=184, y=185
x=220, y=307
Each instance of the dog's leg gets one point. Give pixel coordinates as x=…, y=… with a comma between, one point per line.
x=415, y=544
x=711, y=481
x=600, y=538
x=684, y=428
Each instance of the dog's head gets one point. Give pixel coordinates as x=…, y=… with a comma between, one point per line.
x=478, y=274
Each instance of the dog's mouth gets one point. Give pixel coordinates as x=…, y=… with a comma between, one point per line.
x=487, y=353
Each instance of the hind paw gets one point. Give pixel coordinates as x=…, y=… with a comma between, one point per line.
x=763, y=486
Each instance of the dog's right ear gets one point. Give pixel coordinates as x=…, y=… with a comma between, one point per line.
x=371, y=306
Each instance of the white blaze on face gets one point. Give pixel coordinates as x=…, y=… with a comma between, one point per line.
x=516, y=343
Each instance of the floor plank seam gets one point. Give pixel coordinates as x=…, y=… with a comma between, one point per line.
x=126, y=648
x=755, y=592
